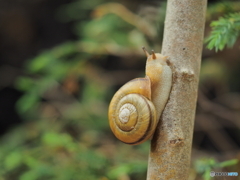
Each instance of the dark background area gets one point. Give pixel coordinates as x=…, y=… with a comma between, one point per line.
x=26, y=28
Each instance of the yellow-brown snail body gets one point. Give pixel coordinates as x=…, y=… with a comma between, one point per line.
x=136, y=107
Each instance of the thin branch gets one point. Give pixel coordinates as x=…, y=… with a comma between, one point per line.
x=182, y=42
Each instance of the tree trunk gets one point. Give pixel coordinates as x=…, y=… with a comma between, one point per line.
x=183, y=39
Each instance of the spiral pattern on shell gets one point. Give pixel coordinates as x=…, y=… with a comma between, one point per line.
x=132, y=115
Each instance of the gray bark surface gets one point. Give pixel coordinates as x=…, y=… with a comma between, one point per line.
x=171, y=145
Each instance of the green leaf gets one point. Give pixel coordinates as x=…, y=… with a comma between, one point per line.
x=41, y=62
x=206, y=175
x=228, y=163
x=29, y=175
x=28, y=101
x=118, y=171
x=225, y=32
x=204, y=165
x=56, y=140
x=13, y=160
x=24, y=83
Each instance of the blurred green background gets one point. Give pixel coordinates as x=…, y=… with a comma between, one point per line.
x=61, y=62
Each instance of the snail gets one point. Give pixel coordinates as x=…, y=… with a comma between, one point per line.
x=136, y=107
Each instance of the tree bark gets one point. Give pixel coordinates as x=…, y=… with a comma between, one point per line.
x=183, y=39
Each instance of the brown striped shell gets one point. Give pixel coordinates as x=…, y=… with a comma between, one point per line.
x=132, y=115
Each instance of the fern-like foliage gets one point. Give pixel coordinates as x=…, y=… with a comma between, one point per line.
x=225, y=32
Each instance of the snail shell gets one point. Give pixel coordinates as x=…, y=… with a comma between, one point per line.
x=136, y=107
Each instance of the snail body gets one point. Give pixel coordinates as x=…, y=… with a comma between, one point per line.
x=136, y=107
